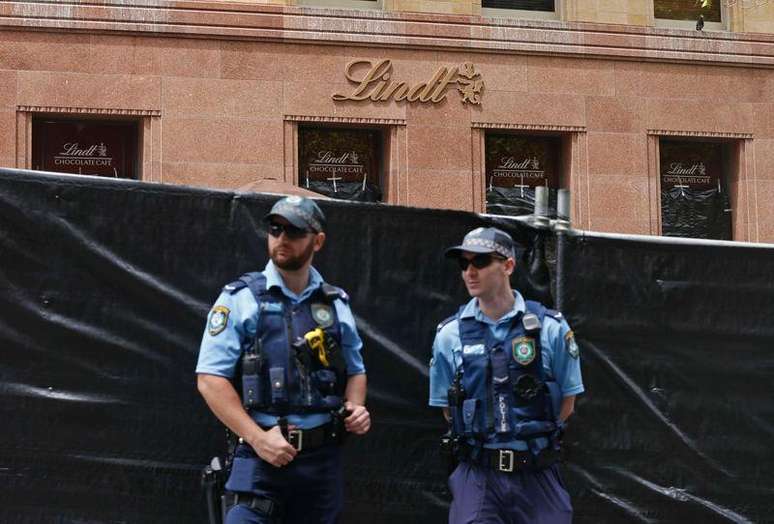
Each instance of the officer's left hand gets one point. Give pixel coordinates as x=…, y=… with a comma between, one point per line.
x=359, y=422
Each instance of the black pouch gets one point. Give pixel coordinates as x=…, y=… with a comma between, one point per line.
x=279, y=390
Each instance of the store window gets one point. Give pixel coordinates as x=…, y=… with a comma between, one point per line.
x=86, y=147
x=694, y=189
x=688, y=10
x=343, y=163
x=515, y=166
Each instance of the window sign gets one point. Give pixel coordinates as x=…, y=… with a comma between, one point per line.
x=341, y=163
x=694, y=200
x=87, y=147
x=515, y=166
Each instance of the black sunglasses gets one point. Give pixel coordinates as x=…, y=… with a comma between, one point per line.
x=291, y=231
x=478, y=261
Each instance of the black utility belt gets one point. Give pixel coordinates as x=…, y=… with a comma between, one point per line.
x=511, y=460
x=308, y=439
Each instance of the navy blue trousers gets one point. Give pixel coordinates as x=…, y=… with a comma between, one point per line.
x=485, y=496
x=309, y=489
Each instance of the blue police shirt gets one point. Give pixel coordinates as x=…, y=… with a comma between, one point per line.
x=558, y=364
x=219, y=354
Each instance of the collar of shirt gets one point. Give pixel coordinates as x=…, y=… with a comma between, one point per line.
x=472, y=310
x=274, y=278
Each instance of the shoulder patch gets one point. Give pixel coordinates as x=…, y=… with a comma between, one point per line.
x=571, y=345
x=218, y=320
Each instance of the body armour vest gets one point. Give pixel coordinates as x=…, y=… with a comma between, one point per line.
x=280, y=373
x=500, y=393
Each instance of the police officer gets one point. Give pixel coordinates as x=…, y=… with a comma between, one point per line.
x=506, y=372
x=280, y=366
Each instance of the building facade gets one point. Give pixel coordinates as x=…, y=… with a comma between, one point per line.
x=657, y=115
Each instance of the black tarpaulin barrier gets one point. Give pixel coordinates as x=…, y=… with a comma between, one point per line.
x=514, y=201
x=677, y=342
x=105, y=290
x=354, y=191
x=695, y=213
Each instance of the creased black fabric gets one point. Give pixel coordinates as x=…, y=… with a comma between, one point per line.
x=512, y=201
x=105, y=286
x=695, y=213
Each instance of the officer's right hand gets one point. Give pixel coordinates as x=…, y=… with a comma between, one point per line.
x=272, y=447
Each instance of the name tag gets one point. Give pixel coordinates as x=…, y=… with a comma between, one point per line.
x=271, y=307
x=473, y=349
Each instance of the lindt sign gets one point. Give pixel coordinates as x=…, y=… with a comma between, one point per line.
x=681, y=174
x=374, y=81
x=72, y=154
x=527, y=168
x=329, y=162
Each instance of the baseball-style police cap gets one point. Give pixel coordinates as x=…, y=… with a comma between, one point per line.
x=485, y=240
x=302, y=212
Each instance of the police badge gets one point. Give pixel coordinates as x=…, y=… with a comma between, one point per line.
x=571, y=345
x=524, y=350
x=218, y=319
x=322, y=314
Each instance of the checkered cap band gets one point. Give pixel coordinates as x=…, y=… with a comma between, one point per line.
x=488, y=244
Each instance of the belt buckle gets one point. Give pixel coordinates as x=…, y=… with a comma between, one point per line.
x=506, y=462
x=296, y=438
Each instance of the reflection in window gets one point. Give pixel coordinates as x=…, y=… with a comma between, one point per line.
x=87, y=147
x=341, y=163
x=527, y=5
x=686, y=10
x=694, y=196
x=515, y=166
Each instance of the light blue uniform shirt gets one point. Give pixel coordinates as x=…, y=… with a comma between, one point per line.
x=220, y=353
x=558, y=364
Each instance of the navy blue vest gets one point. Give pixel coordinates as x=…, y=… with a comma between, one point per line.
x=507, y=396
x=277, y=377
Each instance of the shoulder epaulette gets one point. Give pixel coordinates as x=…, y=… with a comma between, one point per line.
x=556, y=315
x=242, y=282
x=234, y=286
x=445, y=321
x=331, y=293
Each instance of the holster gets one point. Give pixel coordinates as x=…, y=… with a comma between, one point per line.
x=213, y=479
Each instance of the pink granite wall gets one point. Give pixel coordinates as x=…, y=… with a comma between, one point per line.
x=220, y=112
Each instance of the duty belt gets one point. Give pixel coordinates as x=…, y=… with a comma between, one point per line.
x=512, y=461
x=307, y=439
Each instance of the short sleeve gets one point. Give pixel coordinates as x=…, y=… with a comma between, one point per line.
x=224, y=334
x=442, y=364
x=351, y=344
x=564, y=356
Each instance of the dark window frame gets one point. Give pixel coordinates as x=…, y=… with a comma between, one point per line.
x=132, y=158
x=378, y=175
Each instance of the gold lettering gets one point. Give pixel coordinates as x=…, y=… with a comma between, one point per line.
x=401, y=92
x=415, y=92
x=440, y=92
x=390, y=90
x=374, y=75
x=427, y=92
x=376, y=84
